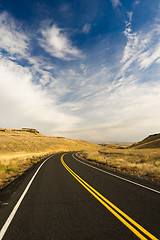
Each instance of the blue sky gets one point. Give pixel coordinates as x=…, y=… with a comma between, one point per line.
x=86, y=69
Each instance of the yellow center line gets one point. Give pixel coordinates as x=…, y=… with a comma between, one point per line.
x=106, y=203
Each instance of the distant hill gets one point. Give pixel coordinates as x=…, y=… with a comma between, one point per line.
x=152, y=141
x=28, y=140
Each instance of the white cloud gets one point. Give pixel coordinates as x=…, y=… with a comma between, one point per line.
x=124, y=114
x=83, y=68
x=120, y=110
x=86, y=28
x=84, y=101
x=151, y=52
x=130, y=14
x=116, y=3
x=12, y=39
x=136, y=3
x=158, y=60
x=142, y=49
x=16, y=43
x=56, y=43
x=25, y=104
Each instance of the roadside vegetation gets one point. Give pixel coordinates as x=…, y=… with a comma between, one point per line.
x=15, y=167
x=141, y=162
x=20, y=149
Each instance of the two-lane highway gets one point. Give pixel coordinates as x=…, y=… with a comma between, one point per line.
x=66, y=199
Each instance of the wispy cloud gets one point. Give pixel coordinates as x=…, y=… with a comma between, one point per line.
x=25, y=100
x=16, y=45
x=118, y=107
x=24, y=103
x=116, y=3
x=65, y=8
x=112, y=101
x=142, y=49
x=12, y=39
x=57, y=44
x=86, y=28
x=108, y=112
x=136, y=2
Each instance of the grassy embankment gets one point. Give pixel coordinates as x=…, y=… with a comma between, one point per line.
x=140, y=160
x=20, y=149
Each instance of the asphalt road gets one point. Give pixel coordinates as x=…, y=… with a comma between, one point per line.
x=67, y=199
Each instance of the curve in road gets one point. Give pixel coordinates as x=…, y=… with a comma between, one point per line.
x=55, y=204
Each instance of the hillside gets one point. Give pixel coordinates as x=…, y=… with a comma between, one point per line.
x=152, y=141
x=31, y=141
x=21, y=148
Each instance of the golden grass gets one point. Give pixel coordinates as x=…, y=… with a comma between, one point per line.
x=25, y=142
x=15, y=168
x=152, y=141
x=141, y=162
x=151, y=144
x=21, y=149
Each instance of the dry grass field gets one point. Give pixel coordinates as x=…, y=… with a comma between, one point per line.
x=20, y=149
x=140, y=162
x=152, y=141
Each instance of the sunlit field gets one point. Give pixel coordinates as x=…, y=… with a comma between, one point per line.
x=140, y=162
x=19, y=150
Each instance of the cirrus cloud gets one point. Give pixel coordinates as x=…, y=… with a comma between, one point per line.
x=116, y=3
x=24, y=103
x=56, y=43
x=12, y=39
x=86, y=28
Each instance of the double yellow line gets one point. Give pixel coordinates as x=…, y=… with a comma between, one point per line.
x=111, y=207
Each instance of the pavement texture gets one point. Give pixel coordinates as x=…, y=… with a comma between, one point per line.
x=57, y=206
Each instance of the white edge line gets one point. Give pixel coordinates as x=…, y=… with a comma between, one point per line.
x=11, y=216
x=140, y=185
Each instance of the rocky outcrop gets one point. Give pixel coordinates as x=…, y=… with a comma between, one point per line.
x=32, y=130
